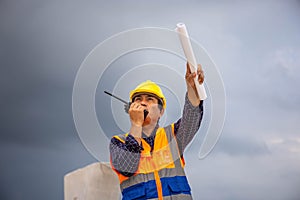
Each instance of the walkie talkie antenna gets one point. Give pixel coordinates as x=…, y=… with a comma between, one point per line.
x=116, y=97
x=127, y=104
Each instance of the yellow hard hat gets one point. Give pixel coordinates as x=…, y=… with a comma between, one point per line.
x=151, y=88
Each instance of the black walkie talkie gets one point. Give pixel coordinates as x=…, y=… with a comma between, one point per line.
x=126, y=104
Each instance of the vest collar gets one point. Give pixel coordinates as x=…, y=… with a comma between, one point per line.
x=152, y=134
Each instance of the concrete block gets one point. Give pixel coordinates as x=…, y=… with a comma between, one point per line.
x=94, y=182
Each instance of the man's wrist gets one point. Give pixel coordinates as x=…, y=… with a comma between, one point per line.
x=136, y=132
x=192, y=97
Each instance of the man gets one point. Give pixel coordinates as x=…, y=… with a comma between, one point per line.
x=149, y=159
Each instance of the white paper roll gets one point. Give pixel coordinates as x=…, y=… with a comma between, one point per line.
x=189, y=54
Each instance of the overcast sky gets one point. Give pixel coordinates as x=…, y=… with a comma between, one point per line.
x=254, y=44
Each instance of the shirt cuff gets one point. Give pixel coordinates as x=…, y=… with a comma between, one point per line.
x=190, y=105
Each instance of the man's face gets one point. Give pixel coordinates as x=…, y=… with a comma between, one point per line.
x=150, y=102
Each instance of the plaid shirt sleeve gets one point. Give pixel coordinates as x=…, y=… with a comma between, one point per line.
x=186, y=127
x=125, y=157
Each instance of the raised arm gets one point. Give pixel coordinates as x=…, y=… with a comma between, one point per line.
x=188, y=125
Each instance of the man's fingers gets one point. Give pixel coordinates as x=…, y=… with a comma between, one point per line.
x=200, y=74
x=188, y=70
x=201, y=79
x=137, y=107
x=199, y=66
x=134, y=106
x=189, y=76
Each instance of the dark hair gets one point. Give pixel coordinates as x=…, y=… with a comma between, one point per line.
x=160, y=104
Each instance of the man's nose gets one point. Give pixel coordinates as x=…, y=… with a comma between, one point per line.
x=143, y=104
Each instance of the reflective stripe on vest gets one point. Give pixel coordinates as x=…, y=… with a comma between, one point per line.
x=160, y=172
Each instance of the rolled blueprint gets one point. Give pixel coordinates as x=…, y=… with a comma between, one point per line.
x=189, y=54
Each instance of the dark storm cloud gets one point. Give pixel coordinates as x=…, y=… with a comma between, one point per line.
x=255, y=45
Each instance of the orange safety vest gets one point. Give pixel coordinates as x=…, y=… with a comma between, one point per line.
x=160, y=173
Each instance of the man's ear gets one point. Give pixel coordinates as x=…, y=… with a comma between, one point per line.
x=162, y=111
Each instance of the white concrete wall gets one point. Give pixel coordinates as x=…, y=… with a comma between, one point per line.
x=96, y=181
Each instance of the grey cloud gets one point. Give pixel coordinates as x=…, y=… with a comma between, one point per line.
x=42, y=45
x=240, y=144
x=271, y=176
